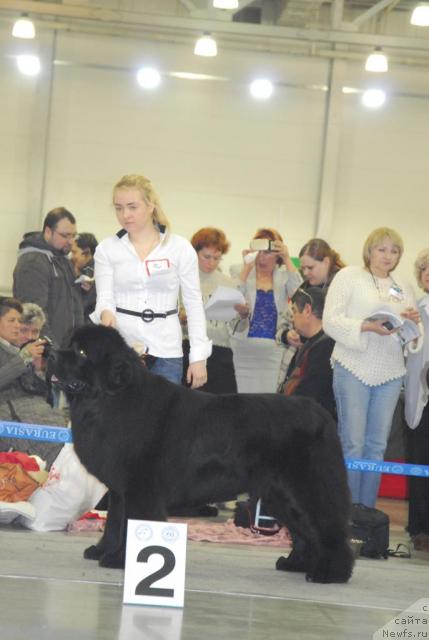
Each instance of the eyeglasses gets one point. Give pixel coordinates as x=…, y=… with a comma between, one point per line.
x=211, y=258
x=66, y=236
x=305, y=293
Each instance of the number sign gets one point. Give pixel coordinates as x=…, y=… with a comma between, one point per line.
x=155, y=563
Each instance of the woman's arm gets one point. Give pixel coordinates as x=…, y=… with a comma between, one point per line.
x=200, y=345
x=337, y=322
x=12, y=366
x=105, y=308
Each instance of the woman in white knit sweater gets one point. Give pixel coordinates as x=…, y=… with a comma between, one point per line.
x=368, y=357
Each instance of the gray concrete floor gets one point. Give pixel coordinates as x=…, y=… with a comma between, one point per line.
x=48, y=591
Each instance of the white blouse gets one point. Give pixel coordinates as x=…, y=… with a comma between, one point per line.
x=124, y=280
x=354, y=294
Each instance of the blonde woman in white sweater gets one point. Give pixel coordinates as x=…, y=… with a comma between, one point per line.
x=368, y=357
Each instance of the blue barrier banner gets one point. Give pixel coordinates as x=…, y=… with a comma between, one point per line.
x=47, y=433
x=41, y=432
x=394, y=468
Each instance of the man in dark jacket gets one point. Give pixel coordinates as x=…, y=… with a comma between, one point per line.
x=43, y=274
x=310, y=371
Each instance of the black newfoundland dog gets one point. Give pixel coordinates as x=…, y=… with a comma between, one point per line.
x=158, y=446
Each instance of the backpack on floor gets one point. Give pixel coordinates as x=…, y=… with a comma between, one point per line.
x=371, y=526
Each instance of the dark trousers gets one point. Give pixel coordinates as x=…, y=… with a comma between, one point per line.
x=220, y=370
x=418, y=499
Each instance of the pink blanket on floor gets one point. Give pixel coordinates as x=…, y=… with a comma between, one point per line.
x=204, y=531
x=227, y=532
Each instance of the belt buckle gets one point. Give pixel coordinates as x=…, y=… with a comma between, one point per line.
x=148, y=315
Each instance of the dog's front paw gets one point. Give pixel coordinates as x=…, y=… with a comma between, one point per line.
x=112, y=560
x=92, y=553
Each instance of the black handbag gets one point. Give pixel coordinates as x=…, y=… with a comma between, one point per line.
x=371, y=527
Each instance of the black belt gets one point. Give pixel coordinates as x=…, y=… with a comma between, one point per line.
x=147, y=315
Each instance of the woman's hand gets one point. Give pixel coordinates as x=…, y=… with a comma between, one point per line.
x=411, y=314
x=34, y=351
x=196, y=375
x=293, y=338
x=86, y=286
x=108, y=319
x=242, y=310
x=281, y=250
x=377, y=326
x=247, y=266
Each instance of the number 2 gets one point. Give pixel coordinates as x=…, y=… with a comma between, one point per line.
x=144, y=587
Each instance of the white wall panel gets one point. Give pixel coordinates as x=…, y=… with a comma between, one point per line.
x=216, y=156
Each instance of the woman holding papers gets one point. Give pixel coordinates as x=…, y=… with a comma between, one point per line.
x=368, y=357
x=211, y=245
x=417, y=416
x=138, y=274
x=268, y=278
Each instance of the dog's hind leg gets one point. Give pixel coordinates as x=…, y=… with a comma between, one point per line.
x=286, y=509
x=321, y=491
x=321, y=548
x=328, y=497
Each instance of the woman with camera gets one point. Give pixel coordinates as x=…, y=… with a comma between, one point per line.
x=22, y=391
x=268, y=278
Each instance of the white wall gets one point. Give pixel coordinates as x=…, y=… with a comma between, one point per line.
x=215, y=156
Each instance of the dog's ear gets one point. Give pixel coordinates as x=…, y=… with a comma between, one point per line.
x=119, y=376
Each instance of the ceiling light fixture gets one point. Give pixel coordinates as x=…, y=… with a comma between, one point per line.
x=261, y=88
x=225, y=4
x=373, y=98
x=23, y=28
x=148, y=78
x=206, y=46
x=28, y=65
x=377, y=61
x=420, y=15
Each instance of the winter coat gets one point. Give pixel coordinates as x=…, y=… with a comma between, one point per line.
x=45, y=276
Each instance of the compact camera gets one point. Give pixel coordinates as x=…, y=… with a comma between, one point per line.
x=47, y=347
x=262, y=244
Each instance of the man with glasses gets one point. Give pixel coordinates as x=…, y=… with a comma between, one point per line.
x=44, y=275
x=310, y=372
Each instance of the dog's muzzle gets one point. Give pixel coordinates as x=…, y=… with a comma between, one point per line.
x=75, y=387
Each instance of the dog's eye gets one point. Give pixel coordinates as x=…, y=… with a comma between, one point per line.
x=82, y=353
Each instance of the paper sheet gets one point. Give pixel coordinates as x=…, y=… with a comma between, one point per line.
x=221, y=304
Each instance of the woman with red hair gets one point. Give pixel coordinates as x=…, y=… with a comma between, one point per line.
x=211, y=245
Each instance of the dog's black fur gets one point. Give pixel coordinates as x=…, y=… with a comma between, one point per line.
x=158, y=446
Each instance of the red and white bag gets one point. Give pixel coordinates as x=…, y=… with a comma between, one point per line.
x=68, y=493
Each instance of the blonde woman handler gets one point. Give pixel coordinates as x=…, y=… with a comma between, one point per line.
x=139, y=272
x=368, y=358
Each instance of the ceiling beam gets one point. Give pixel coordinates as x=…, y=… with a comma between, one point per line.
x=189, y=5
x=191, y=26
x=372, y=12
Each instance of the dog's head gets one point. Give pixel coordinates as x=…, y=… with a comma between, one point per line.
x=97, y=358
